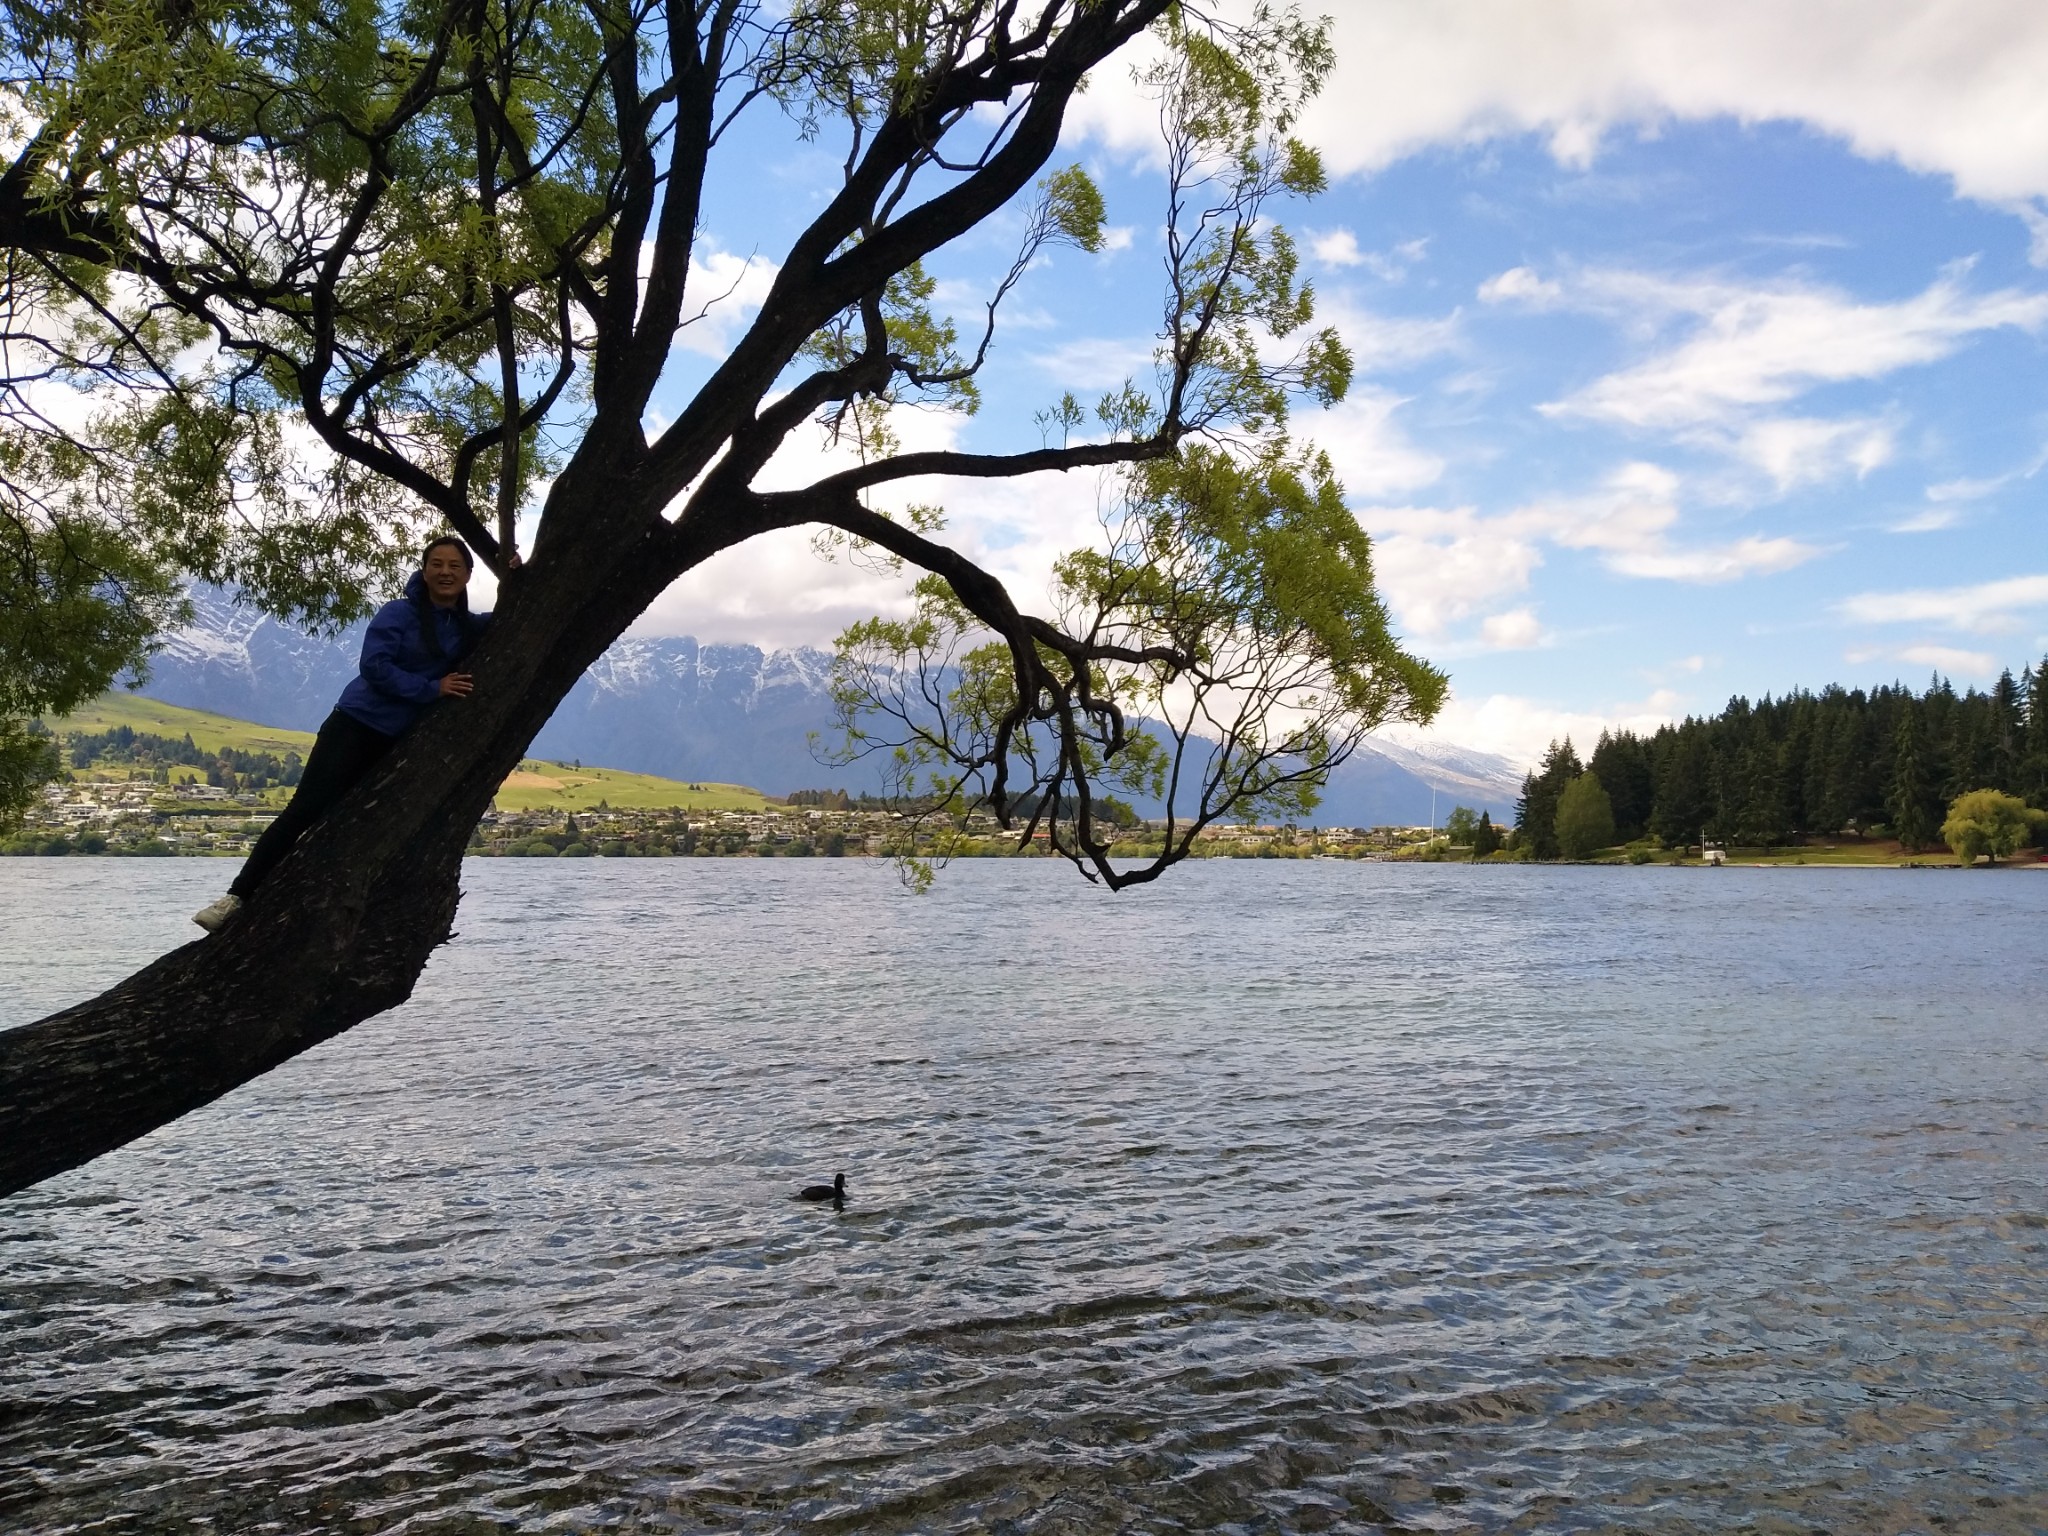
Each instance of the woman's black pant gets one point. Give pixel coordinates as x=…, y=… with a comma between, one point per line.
x=343, y=752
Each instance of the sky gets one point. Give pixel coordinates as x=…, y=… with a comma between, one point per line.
x=1700, y=350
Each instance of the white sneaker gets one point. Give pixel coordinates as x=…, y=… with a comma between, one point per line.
x=210, y=918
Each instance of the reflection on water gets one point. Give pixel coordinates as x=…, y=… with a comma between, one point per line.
x=1278, y=1198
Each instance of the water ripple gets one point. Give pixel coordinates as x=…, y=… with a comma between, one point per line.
x=1283, y=1198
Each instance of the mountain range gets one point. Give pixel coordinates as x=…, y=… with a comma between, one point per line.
x=721, y=713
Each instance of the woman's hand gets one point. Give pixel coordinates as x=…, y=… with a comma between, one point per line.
x=456, y=685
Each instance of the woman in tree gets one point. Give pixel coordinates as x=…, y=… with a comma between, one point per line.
x=411, y=661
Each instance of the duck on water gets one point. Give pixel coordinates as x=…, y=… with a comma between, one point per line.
x=835, y=1192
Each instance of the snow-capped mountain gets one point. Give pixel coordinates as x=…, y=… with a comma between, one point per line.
x=236, y=661
x=722, y=713
x=1482, y=780
x=730, y=713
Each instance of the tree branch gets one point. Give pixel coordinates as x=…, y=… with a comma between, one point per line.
x=988, y=466
x=818, y=281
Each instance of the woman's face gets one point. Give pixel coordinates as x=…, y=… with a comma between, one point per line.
x=445, y=572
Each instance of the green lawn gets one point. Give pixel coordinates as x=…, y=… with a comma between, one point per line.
x=1843, y=852
x=535, y=785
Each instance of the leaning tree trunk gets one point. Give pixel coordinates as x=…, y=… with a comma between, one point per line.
x=346, y=923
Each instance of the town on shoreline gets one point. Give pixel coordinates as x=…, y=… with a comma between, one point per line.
x=101, y=813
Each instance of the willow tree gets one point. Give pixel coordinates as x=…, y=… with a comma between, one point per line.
x=329, y=274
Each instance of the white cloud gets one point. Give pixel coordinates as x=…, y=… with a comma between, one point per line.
x=1948, y=498
x=1742, y=352
x=1760, y=346
x=1945, y=86
x=1687, y=666
x=1718, y=563
x=1630, y=520
x=1516, y=630
x=1798, y=450
x=1988, y=607
x=1372, y=455
x=1933, y=520
x=1966, y=489
x=1631, y=514
x=1520, y=728
x=1520, y=285
x=1438, y=567
x=1380, y=342
x=2036, y=221
x=775, y=592
x=1118, y=237
x=723, y=293
x=1338, y=248
x=1097, y=362
x=1950, y=661
x=1395, y=265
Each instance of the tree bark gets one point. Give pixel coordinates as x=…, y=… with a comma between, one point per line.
x=344, y=926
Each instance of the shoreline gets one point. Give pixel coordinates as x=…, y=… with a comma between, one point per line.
x=2037, y=862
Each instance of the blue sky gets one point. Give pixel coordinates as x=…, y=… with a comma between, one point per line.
x=1696, y=356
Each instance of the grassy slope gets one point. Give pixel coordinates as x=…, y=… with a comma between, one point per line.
x=536, y=786
x=558, y=787
x=211, y=733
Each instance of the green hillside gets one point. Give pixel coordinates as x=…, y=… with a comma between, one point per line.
x=213, y=733
x=534, y=785
x=539, y=786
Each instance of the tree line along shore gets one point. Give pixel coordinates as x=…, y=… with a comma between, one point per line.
x=1918, y=771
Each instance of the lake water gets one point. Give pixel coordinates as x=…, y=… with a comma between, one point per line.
x=1278, y=1197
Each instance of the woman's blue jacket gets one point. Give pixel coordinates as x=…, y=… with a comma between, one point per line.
x=399, y=677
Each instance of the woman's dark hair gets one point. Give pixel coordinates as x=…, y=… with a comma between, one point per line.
x=449, y=539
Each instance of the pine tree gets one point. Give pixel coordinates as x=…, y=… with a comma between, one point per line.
x=1536, y=811
x=1725, y=794
x=1486, y=841
x=2033, y=774
x=1970, y=758
x=1765, y=820
x=2008, y=731
x=1911, y=800
x=1623, y=762
x=1682, y=806
x=1824, y=798
x=1854, y=785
